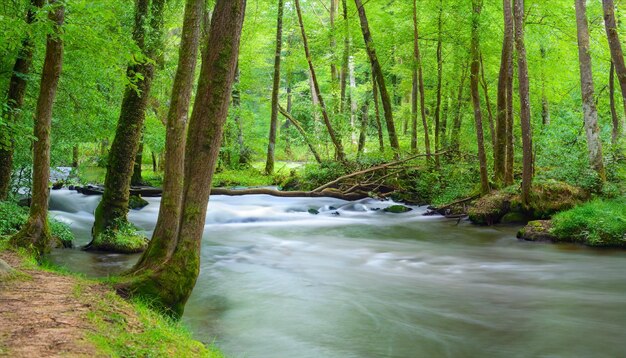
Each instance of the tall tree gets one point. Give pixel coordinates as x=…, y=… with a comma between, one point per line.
x=114, y=205
x=510, y=137
x=379, y=126
x=545, y=104
x=474, y=79
x=316, y=87
x=170, y=285
x=418, y=80
x=377, y=73
x=590, y=112
x=439, y=81
x=345, y=57
x=15, y=100
x=458, y=114
x=163, y=240
x=334, y=6
x=269, y=165
x=615, y=132
x=503, y=81
x=522, y=69
x=35, y=234
x=615, y=46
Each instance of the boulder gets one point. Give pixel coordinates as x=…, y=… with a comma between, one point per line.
x=490, y=209
x=136, y=202
x=538, y=230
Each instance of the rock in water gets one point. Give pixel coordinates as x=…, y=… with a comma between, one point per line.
x=397, y=209
x=136, y=202
x=313, y=211
x=538, y=230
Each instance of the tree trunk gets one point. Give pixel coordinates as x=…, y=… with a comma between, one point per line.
x=458, y=115
x=364, y=123
x=333, y=135
x=420, y=77
x=615, y=46
x=510, y=119
x=499, y=153
x=269, y=165
x=236, y=99
x=114, y=205
x=353, y=105
x=15, y=100
x=35, y=234
x=545, y=105
x=75, y=156
x=474, y=79
x=170, y=285
x=615, y=132
x=439, y=82
x=163, y=240
x=522, y=66
x=379, y=125
x=344, y=57
x=590, y=112
x=334, y=5
x=483, y=84
x=155, y=167
x=378, y=75
x=137, y=178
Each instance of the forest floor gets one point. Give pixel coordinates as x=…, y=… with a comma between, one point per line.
x=46, y=312
x=41, y=316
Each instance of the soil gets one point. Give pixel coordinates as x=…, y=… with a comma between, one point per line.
x=41, y=317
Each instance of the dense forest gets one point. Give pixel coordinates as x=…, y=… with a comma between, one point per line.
x=506, y=111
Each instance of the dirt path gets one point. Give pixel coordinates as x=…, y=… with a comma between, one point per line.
x=40, y=316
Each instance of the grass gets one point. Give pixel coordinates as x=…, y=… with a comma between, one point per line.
x=125, y=238
x=596, y=223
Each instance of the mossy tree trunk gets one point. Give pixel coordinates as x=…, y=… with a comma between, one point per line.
x=35, y=234
x=439, y=82
x=137, y=178
x=170, y=285
x=334, y=137
x=379, y=125
x=499, y=154
x=524, y=94
x=163, y=240
x=510, y=138
x=377, y=73
x=590, y=112
x=15, y=100
x=617, y=55
x=269, y=164
x=474, y=79
x=114, y=205
x=615, y=132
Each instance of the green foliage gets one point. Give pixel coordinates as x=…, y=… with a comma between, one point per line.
x=149, y=335
x=597, y=223
x=246, y=177
x=61, y=231
x=12, y=217
x=123, y=237
x=316, y=175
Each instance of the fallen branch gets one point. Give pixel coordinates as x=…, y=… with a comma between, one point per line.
x=302, y=132
x=290, y=194
x=372, y=169
x=458, y=202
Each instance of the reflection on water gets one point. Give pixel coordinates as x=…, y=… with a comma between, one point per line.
x=355, y=281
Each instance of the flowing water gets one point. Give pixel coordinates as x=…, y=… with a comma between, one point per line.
x=354, y=281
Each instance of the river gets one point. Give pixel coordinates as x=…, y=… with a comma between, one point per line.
x=354, y=281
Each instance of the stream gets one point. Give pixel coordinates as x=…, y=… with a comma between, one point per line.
x=355, y=281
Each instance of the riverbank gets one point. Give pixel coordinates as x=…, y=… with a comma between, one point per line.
x=48, y=312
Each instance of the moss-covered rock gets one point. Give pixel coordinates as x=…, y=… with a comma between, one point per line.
x=538, y=230
x=490, y=209
x=550, y=197
x=136, y=202
x=122, y=238
x=397, y=209
x=313, y=211
x=515, y=217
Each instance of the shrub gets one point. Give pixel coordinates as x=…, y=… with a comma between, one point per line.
x=596, y=223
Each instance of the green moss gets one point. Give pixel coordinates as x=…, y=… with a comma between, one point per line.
x=397, y=209
x=123, y=237
x=489, y=209
x=136, y=202
x=596, y=223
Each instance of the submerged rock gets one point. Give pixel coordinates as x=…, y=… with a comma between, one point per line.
x=538, y=230
x=313, y=211
x=397, y=209
x=136, y=202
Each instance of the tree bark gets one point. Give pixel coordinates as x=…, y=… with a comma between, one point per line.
x=510, y=119
x=353, y=105
x=75, y=156
x=522, y=65
x=170, y=285
x=269, y=165
x=483, y=84
x=137, y=178
x=15, y=100
x=615, y=46
x=499, y=153
x=545, y=104
x=35, y=234
x=474, y=79
x=114, y=205
x=377, y=72
x=333, y=135
x=590, y=112
x=363, y=131
x=163, y=240
x=344, y=57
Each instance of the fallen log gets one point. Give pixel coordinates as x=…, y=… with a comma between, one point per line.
x=329, y=193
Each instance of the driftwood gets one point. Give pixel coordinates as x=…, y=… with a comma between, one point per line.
x=291, y=194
